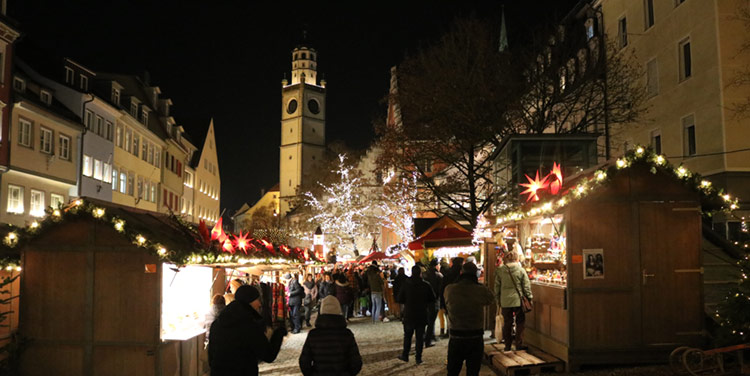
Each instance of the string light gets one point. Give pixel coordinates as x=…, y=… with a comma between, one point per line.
x=209, y=253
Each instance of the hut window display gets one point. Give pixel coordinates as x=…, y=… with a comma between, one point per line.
x=185, y=296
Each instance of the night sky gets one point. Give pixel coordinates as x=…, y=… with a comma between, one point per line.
x=226, y=60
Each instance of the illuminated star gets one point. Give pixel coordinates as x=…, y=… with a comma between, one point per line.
x=533, y=186
x=240, y=242
x=557, y=181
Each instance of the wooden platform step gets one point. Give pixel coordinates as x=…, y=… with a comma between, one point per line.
x=525, y=362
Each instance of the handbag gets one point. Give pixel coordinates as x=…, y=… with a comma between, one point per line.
x=526, y=305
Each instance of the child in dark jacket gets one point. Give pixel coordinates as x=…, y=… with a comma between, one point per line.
x=330, y=348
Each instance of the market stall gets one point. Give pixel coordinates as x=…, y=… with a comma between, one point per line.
x=614, y=260
x=446, y=238
x=112, y=290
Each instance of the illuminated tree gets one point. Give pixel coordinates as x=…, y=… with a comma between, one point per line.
x=341, y=208
x=733, y=313
x=397, y=207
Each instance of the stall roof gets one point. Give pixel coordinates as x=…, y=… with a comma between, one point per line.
x=166, y=235
x=581, y=185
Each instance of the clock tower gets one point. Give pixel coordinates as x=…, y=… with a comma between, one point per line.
x=303, y=125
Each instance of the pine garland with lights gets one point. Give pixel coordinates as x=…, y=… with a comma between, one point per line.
x=733, y=314
x=198, y=248
x=712, y=199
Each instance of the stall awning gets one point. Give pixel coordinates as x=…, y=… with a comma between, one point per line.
x=377, y=256
x=443, y=237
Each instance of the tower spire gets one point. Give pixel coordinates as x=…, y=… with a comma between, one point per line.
x=503, y=45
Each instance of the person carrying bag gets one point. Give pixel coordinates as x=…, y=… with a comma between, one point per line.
x=513, y=291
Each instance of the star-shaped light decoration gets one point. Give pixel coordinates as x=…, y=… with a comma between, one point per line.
x=557, y=179
x=217, y=231
x=227, y=245
x=533, y=186
x=240, y=242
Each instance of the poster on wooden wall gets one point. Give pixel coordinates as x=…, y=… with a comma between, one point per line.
x=594, y=263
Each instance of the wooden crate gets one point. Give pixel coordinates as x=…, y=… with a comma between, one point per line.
x=525, y=362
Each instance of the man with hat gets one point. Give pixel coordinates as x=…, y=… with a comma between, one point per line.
x=416, y=294
x=464, y=301
x=238, y=341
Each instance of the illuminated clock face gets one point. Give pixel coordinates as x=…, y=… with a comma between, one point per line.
x=313, y=106
x=292, y=106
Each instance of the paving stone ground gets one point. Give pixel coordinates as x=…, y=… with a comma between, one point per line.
x=379, y=344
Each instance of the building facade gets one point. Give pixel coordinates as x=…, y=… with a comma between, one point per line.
x=692, y=53
x=8, y=36
x=207, y=188
x=303, y=115
x=42, y=169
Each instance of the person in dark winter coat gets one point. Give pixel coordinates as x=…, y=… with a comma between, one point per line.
x=450, y=276
x=296, y=293
x=465, y=301
x=311, y=296
x=375, y=282
x=237, y=339
x=344, y=294
x=435, y=279
x=330, y=348
x=416, y=294
x=398, y=282
x=325, y=287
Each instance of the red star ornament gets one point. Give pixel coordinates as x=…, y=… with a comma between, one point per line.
x=557, y=179
x=533, y=186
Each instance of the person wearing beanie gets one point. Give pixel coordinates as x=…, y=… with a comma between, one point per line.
x=435, y=279
x=330, y=348
x=416, y=295
x=464, y=301
x=237, y=340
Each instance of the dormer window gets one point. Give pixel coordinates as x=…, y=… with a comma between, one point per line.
x=69, y=77
x=46, y=97
x=134, y=109
x=19, y=84
x=144, y=116
x=84, y=83
x=115, y=96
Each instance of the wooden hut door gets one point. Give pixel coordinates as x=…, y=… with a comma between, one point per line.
x=671, y=279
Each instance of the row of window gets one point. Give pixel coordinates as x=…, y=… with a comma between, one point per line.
x=207, y=215
x=130, y=141
x=46, y=139
x=208, y=190
x=97, y=169
x=209, y=166
x=688, y=137
x=97, y=124
x=131, y=184
x=16, y=199
x=173, y=164
x=83, y=82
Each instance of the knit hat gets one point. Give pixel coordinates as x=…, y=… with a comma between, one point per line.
x=434, y=262
x=374, y=262
x=330, y=306
x=246, y=294
x=469, y=268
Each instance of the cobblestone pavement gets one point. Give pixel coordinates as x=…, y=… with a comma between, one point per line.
x=379, y=344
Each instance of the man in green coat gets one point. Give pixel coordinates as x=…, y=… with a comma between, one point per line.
x=510, y=279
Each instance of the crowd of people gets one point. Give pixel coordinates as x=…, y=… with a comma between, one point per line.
x=239, y=336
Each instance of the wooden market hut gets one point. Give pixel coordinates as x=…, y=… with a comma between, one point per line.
x=645, y=219
x=93, y=299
